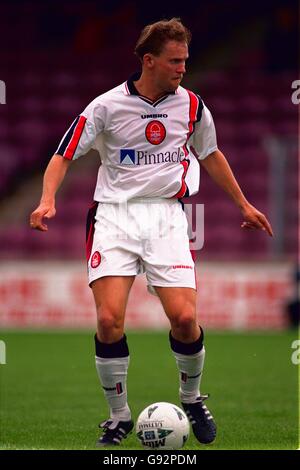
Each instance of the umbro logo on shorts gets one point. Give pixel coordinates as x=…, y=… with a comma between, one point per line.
x=182, y=266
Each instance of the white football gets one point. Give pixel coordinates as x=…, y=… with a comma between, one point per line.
x=162, y=426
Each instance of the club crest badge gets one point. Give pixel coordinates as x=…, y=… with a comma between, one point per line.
x=155, y=132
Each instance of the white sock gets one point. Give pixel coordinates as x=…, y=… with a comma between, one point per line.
x=190, y=374
x=112, y=373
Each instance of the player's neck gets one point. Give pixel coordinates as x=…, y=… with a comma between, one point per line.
x=147, y=88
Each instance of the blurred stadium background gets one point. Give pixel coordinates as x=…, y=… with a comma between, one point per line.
x=54, y=59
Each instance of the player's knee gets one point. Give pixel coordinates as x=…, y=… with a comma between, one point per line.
x=186, y=322
x=108, y=319
x=186, y=319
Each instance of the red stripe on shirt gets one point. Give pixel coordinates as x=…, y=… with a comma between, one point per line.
x=182, y=191
x=70, y=150
x=194, y=103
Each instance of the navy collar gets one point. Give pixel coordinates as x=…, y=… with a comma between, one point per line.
x=130, y=84
x=133, y=91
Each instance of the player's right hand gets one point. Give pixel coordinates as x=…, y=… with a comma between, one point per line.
x=42, y=211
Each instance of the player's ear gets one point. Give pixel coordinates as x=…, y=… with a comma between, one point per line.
x=148, y=60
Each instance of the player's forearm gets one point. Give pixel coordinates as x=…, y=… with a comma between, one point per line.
x=218, y=168
x=53, y=177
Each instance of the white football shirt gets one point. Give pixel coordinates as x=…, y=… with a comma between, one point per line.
x=147, y=149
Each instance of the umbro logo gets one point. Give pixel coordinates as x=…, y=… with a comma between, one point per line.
x=127, y=157
x=153, y=116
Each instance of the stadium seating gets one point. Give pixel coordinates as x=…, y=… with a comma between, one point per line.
x=249, y=104
x=242, y=122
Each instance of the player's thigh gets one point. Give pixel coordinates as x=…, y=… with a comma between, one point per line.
x=111, y=294
x=178, y=302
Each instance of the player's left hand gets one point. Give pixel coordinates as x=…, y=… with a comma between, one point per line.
x=253, y=219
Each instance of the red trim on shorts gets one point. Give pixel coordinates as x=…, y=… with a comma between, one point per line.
x=70, y=151
x=90, y=229
x=194, y=256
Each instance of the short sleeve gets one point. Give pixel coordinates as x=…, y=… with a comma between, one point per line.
x=81, y=135
x=204, y=139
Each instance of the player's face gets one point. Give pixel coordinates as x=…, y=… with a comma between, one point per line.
x=169, y=66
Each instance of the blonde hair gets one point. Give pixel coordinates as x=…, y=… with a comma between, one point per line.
x=154, y=36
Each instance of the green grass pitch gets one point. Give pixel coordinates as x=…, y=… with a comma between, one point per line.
x=50, y=396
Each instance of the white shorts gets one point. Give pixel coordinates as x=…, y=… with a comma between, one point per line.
x=140, y=236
